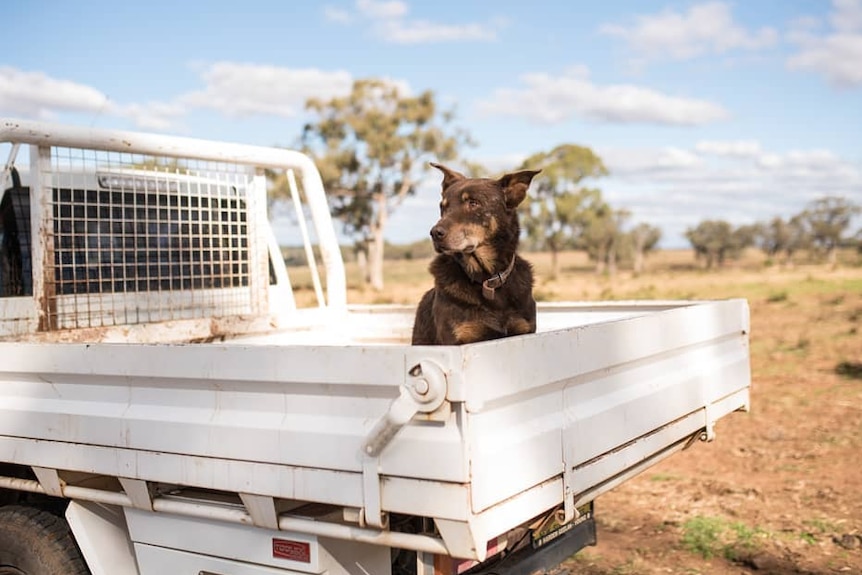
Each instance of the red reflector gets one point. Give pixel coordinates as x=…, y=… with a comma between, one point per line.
x=292, y=550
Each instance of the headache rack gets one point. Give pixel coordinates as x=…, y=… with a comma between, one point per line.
x=105, y=230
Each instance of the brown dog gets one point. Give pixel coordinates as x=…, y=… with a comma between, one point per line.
x=482, y=288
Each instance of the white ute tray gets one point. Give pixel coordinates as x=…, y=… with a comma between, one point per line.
x=314, y=413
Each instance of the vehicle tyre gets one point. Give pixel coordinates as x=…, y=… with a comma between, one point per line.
x=35, y=542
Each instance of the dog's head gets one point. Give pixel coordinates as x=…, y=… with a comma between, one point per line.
x=479, y=214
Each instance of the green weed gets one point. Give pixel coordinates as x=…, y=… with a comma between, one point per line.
x=702, y=535
x=779, y=296
x=714, y=536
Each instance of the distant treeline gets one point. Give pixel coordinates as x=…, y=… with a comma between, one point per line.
x=295, y=255
x=817, y=232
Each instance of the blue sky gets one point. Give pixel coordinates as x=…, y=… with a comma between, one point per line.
x=733, y=110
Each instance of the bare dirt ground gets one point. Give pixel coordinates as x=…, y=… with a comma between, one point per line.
x=780, y=489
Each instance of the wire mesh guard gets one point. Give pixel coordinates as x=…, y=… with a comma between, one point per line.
x=141, y=239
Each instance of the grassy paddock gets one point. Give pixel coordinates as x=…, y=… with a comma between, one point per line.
x=670, y=274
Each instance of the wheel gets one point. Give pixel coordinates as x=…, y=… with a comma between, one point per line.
x=35, y=542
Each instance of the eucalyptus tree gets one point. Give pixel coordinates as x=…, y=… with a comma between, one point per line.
x=644, y=238
x=560, y=208
x=828, y=219
x=372, y=147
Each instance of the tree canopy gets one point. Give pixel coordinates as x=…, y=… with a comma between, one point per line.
x=560, y=209
x=828, y=219
x=780, y=237
x=715, y=241
x=371, y=147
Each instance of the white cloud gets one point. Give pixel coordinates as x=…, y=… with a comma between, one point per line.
x=707, y=28
x=804, y=25
x=390, y=22
x=159, y=116
x=333, y=14
x=499, y=165
x=234, y=89
x=37, y=95
x=742, y=159
x=736, y=148
x=238, y=89
x=244, y=89
x=835, y=54
x=383, y=10
x=677, y=188
x=672, y=157
x=805, y=162
x=423, y=32
x=846, y=15
x=770, y=161
x=553, y=98
x=816, y=158
x=626, y=162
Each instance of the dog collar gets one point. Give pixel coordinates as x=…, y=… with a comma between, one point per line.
x=496, y=281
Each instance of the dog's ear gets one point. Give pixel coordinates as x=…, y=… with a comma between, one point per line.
x=515, y=186
x=449, y=176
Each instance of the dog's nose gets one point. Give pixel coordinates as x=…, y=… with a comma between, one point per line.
x=438, y=232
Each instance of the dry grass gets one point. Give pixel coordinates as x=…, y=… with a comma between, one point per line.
x=670, y=274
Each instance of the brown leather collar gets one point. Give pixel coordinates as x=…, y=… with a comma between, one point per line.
x=496, y=281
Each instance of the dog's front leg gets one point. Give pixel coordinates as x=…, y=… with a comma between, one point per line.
x=520, y=326
x=471, y=331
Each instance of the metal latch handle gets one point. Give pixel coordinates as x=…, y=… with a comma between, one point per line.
x=424, y=392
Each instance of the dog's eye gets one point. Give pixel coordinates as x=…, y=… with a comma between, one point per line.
x=473, y=203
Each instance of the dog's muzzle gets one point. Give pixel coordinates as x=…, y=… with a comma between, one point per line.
x=447, y=243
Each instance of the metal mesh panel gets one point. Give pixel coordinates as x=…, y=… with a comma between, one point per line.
x=142, y=239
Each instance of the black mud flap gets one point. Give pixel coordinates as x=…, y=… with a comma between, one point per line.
x=546, y=551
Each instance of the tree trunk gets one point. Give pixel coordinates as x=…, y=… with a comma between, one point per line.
x=612, y=259
x=601, y=259
x=555, y=262
x=638, y=261
x=378, y=225
x=362, y=261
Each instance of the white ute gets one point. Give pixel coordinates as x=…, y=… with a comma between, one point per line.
x=167, y=407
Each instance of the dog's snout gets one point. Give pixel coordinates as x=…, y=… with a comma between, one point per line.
x=438, y=232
